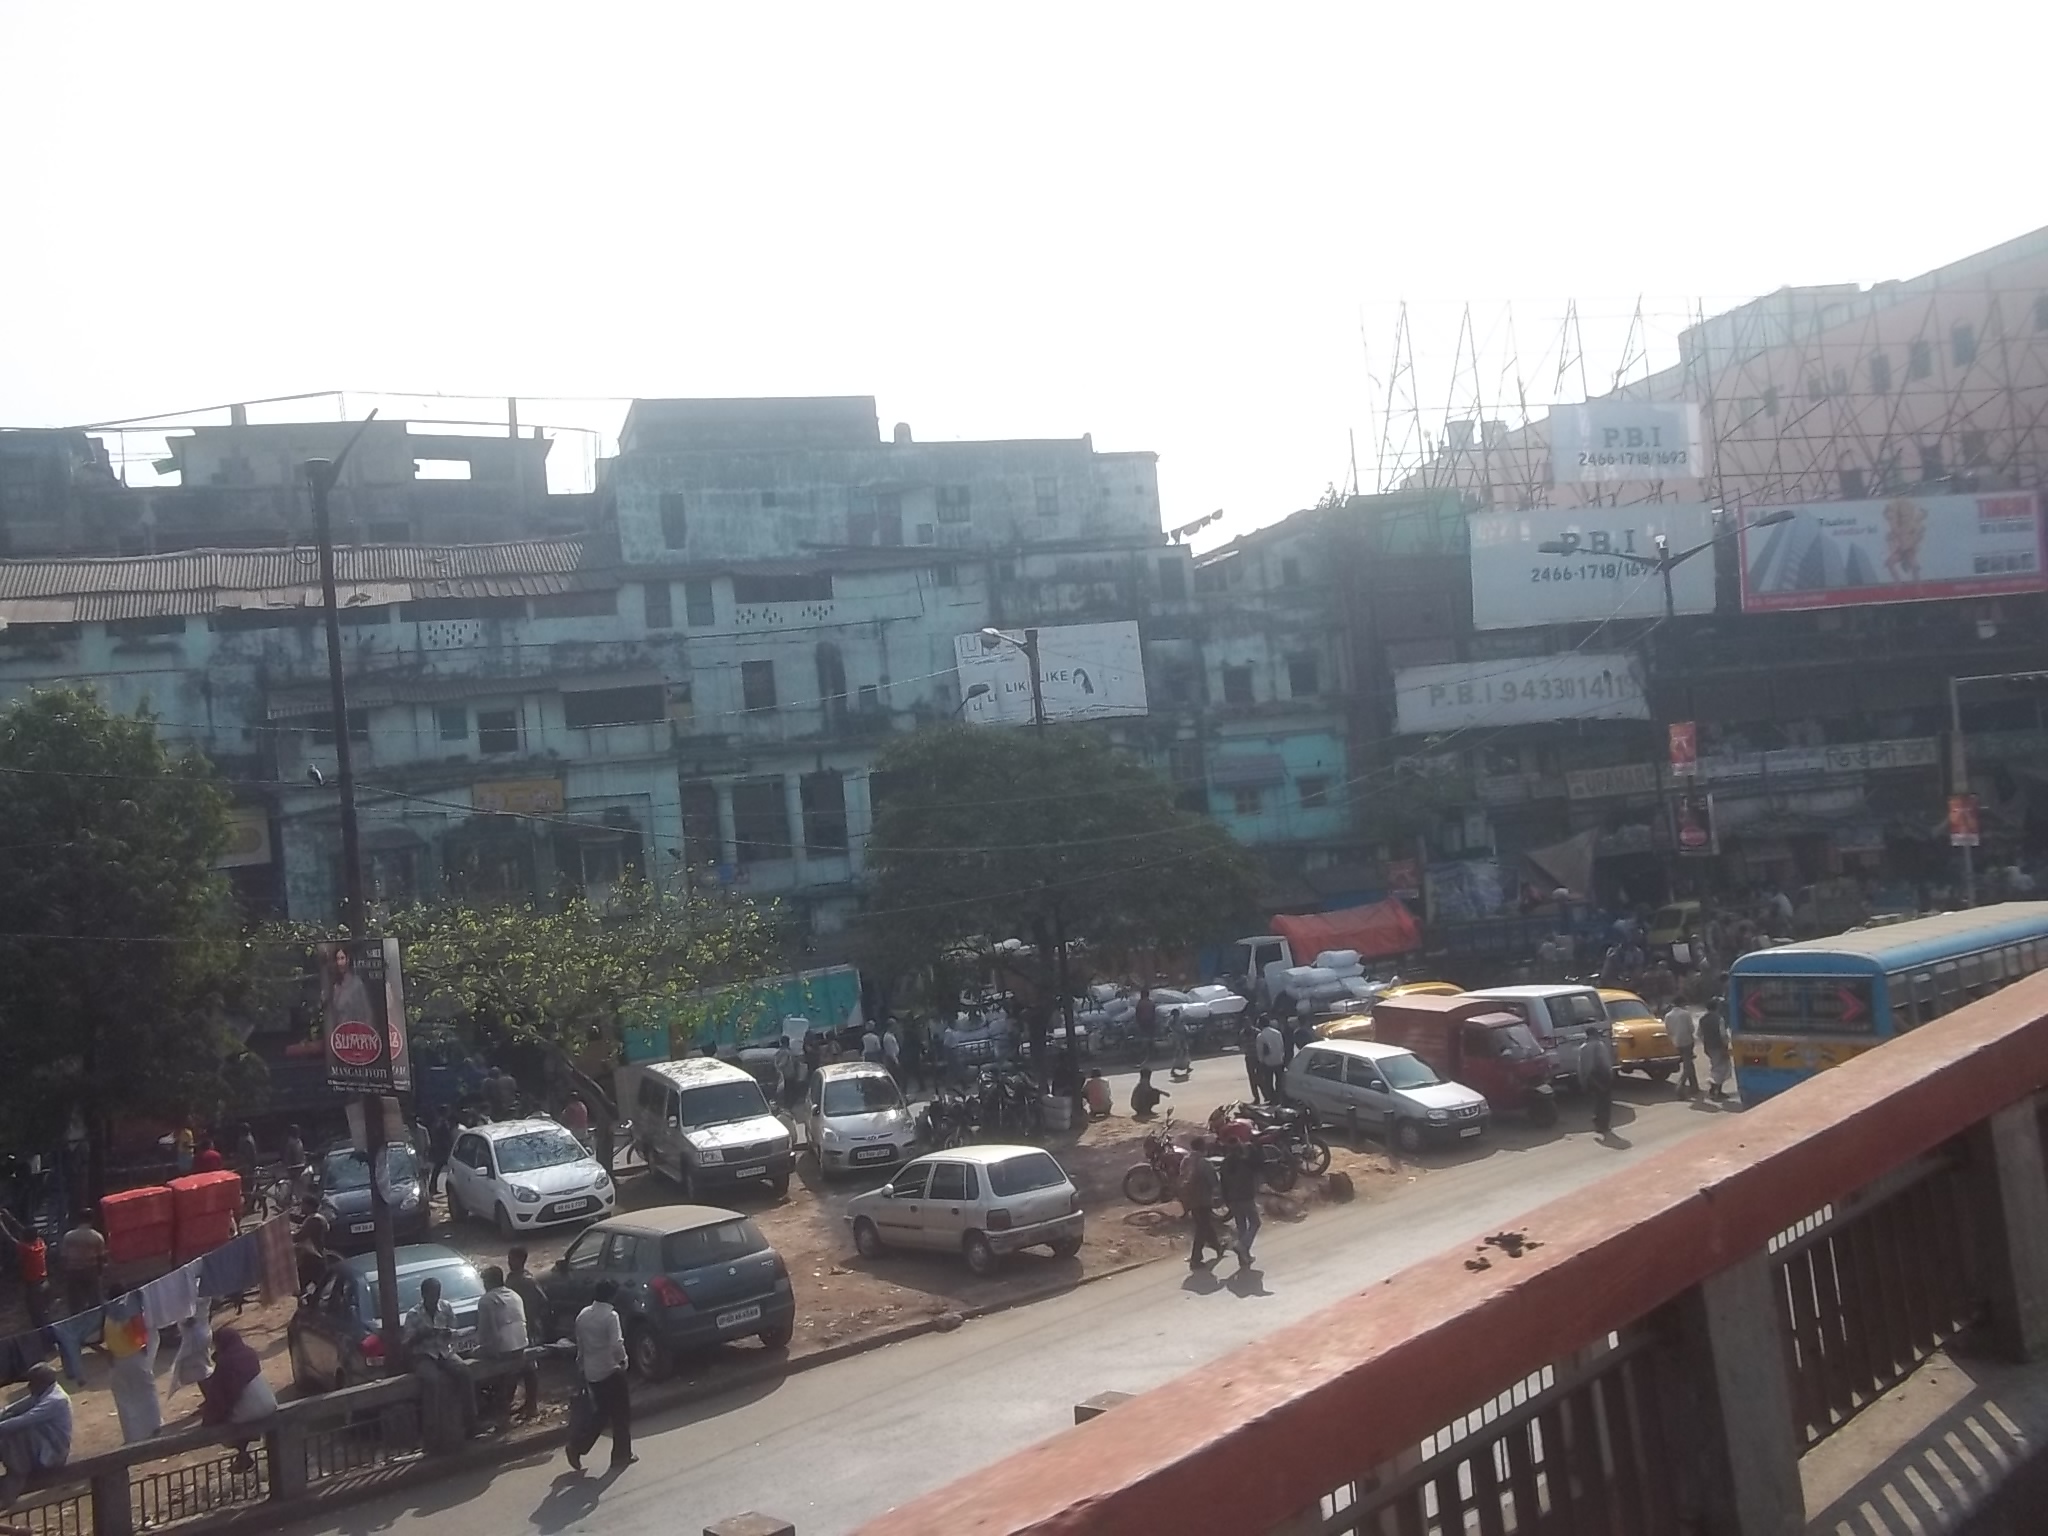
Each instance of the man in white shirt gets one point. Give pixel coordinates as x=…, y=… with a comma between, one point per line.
x=1272, y=1049
x=502, y=1334
x=427, y=1334
x=1680, y=1026
x=601, y=1361
x=870, y=1045
x=892, y=1051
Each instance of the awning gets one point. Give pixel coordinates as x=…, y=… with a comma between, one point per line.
x=1248, y=770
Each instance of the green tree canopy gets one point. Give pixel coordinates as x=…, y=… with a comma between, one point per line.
x=121, y=953
x=980, y=833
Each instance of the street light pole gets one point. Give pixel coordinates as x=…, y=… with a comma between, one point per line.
x=1959, y=780
x=321, y=474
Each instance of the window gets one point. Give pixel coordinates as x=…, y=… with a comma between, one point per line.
x=1770, y=400
x=433, y=608
x=1361, y=1073
x=801, y=588
x=1237, y=685
x=1246, y=802
x=1976, y=448
x=576, y=605
x=660, y=605
x=1303, y=679
x=1021, y=1175
x=1880, y=373
x=824, y=803
x=757, y=684
x=699, y=611
x=1919, y=360
x=831, y=677
x=1173, y=579
x=169, y=624
x=711, y=1245
x=889, y=519
x=675, y=523
x=1315, y=793
x=945, y=576
x=1327, y=1065
x=1046, y=492
x=497, y=730
x=453, y=721
x=1290, y=572
x=909, y=1184
x=1962, y=343
x=363, y=618
x=589, y=707
x=585, y=1254
x=1851, y=479
x=759, y=823
x=954, y=1181
x=953, y=506
x=358, y=727
x=622, y=1253
x=700, y=822
x=1930, y=462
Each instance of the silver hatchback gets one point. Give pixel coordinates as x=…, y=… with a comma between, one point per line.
x=978, y=1202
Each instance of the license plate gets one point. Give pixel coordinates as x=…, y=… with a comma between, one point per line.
x=360, y=1227
x=873, y=1154
x=739, y=1315
x=1470, y=1130
x=758, y=1170
x=571, y=1207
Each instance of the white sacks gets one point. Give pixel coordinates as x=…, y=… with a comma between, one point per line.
x=1344, y=962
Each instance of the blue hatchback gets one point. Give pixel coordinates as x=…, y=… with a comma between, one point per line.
x=333, y=1337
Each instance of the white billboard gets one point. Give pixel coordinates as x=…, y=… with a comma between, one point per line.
x=1519, y=690
x=1901, y=549
x=1085, y=672
x=1604, y=441
x=1514, y=584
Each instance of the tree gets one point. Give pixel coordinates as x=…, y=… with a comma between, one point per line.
x=985, y=834
x=121, y=955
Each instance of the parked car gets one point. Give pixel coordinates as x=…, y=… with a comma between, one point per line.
x=706, y=1125
x=333, y=1338
x=855, y=1118
x=526, y=1174
x=1384, y=1089
x=979, y=1202
x=1557, y=1015
x=689, y=1277
x=342, y=1178
x=1641, y=1042
x=1475, y=1042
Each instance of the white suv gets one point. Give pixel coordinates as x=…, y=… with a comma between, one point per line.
x=526, y=1174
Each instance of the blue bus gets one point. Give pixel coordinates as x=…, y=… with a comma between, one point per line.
x=1798, y=1009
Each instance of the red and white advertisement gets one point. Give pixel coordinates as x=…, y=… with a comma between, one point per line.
x=1685, y=749
x=1962, y=821
x=1899, y=549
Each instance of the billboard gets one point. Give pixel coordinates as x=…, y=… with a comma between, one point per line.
x=1899, y=549
x=1085, y=672
x=362, y=1011
x=1604, y=441
x=1514, y=584
x=1522, y=690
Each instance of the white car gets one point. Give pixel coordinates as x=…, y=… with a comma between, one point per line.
x=855, y=1118
x=978, y=1202
x=525, y=1174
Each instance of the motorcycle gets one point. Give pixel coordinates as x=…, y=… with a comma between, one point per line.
x=1158, y=1178
x=1271, y=1146
x=1293, y=1128
x=947, y=1121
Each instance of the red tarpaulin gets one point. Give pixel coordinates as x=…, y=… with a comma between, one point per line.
x=1376, y=931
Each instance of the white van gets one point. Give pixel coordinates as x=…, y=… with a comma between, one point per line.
x=1556, y=1014
x=705, y=1124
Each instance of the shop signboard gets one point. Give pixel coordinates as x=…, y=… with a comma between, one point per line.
x=1516, y=583
x=1897, y=549
x=1519, y=690
x=1604, y=441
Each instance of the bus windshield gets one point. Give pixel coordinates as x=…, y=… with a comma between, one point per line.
x=1832, y=1005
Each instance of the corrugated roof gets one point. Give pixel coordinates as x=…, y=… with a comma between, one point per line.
x=210, y=580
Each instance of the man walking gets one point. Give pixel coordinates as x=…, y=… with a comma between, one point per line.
x=502, y=1335
x=601, y=1361
x=1248, y=1047
x=1241, y=1194
x=534, y=1307
x=1678, y=1024
x=82, y=1256
x=1272, y=1049
x=1145, y=1021
x=1198, y=1199
x=1596, y=1076
x=892, y=1051
x=1714, y=1038
x=440, y=1147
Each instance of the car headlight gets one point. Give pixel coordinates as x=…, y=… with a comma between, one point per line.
x=524, y=1195
x=411, y=1202
x=1439, y=1115
x=603, y=1179
x=710, y=1157
x=828, y=1137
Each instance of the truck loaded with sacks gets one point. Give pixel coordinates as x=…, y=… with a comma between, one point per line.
x=1320, y=958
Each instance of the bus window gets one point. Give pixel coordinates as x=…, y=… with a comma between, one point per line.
x=1924, y=1006
x=1970, y=969
x=2030, y=957
x=1898, y=988
x=1948, y=987
x=2012, y=963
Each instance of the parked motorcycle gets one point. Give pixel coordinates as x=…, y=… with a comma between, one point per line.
x=948, y=1121
x=1157, y=1179
x=1292, y=1127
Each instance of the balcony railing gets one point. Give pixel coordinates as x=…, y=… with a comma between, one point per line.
x=1652, y=1354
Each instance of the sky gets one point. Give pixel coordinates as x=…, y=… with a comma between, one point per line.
x=1180, y=228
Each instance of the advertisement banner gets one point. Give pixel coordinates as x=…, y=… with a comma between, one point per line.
x=248, y=839
x=362, y=1010
x=1962, y=821
x=518, y=797
x=1516, y=584
x=1685, y=749
x=1085, y=672
x=1901, y=549
x=1605, y=783
x=1524, y=690
x=1604, y=441
x=1695, y=825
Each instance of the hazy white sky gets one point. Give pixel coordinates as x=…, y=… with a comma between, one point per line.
x=1166, y=225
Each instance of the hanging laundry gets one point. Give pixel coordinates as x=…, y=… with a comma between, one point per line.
x=194, y=1362
x=280, y=1267
x=232, y=1269
x=133, y=1381
x=19, y=1353
x=126, y=1330
x=69, y=1337
x=169, y=1299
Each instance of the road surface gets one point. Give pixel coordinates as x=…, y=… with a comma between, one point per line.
x=832, y=1447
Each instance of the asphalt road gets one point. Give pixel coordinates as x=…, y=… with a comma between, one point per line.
x=832, y=1447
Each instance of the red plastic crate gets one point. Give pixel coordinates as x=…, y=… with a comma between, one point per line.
x=204, y=1233
x=132, y=1244
x=219, y=1191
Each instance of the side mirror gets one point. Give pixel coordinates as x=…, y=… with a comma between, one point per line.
x=561, y=1266
x=888, y=1191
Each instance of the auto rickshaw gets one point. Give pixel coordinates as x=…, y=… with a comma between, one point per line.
x=1475, y=1042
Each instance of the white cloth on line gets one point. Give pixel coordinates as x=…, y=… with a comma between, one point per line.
x=169, y=1299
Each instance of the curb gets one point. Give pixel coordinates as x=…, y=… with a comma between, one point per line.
x=269, y=1516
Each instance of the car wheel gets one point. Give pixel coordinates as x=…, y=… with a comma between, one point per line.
x=649, y=1353
x=1408, y=1136
x=1066, y=1248
x=780, y=1187
x=981, y=1258
x=505, y=1228
x=777, y=1338
x=1659, y=1074
x=867, y=1239
x=1543, y=1112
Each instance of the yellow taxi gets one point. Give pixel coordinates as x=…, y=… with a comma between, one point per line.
x=1358, y=1025
x=1641, y=1043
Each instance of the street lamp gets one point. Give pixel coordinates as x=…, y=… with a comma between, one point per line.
x=978, y=691
x=992, y=637
x=1664, y=562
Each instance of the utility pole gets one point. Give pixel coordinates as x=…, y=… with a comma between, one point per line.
x=1959, y=781
x=321, y=474
x=1059, y=922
